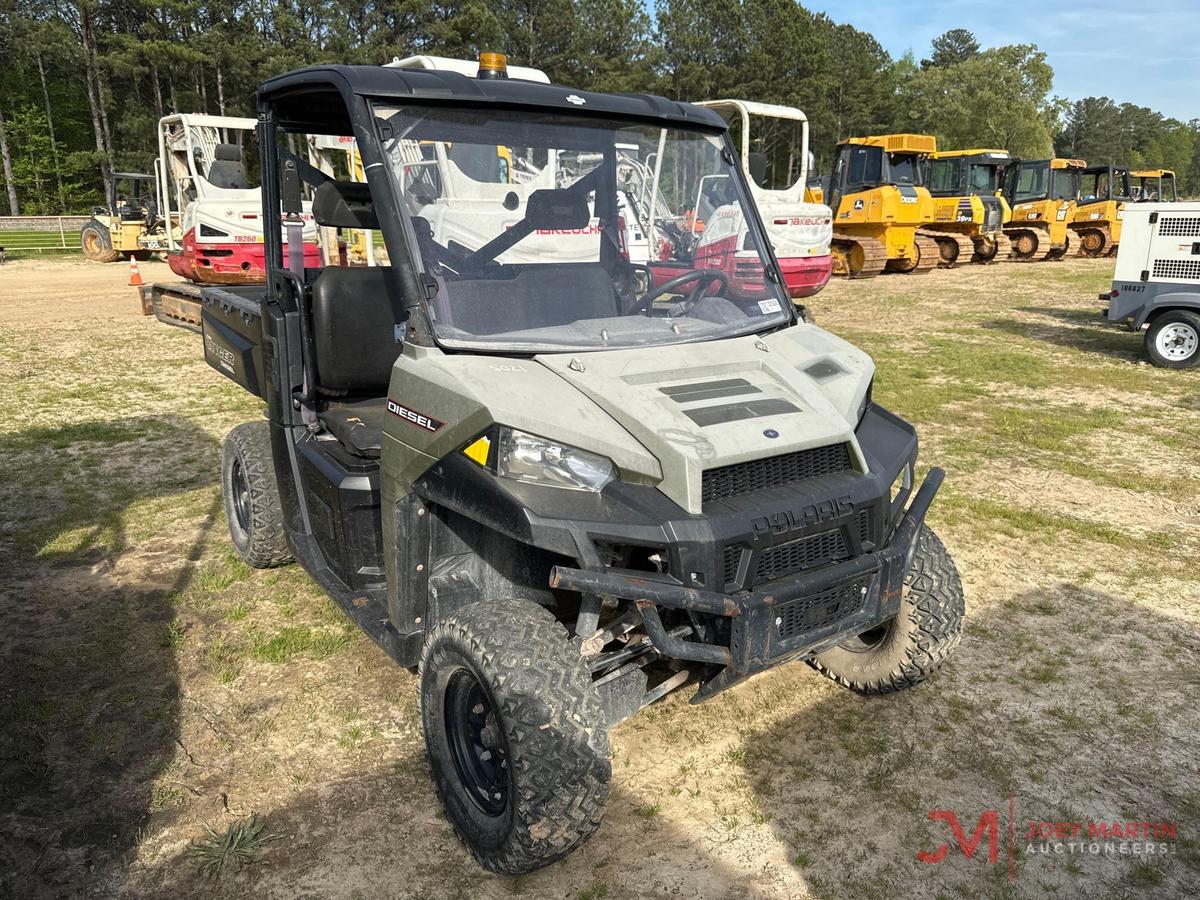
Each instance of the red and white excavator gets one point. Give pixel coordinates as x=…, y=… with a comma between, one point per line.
x=206, y=193
x=211, y=211
x=773, y=145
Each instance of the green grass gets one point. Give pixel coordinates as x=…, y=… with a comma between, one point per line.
x=294, y=640
x=239, y=845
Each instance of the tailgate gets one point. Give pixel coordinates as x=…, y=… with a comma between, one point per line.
x=232, y=326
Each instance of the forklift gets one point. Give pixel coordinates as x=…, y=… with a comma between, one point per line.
x=557, y=490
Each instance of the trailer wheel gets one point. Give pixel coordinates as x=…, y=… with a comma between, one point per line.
x=515, y=735
x=97, y=242
x=252, y=497
x=908, y=649
x=1173, y=340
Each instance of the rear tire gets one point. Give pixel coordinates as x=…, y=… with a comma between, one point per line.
x=514, y=733
x=96, y=242
x=251, y=496
x=1173, y=339
x=908, y=649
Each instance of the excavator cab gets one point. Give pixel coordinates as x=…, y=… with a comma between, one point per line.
x=968, y=204
x=1042, y=194
x=1103, y=193
x=879, y=201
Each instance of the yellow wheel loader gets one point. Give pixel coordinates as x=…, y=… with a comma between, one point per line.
x=880, y=206
x=968, y=205
x=1152, y=185
x=1103, y=193
x=1042, y=195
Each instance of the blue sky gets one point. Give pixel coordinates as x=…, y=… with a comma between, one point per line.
x=1146, y=53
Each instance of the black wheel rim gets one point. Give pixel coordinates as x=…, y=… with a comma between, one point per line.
x=241, y=496
x=477, y=743
x=869, y=639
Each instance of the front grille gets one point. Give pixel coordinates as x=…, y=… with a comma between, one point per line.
x=808, y=552
x=1179, y=226
x=796, y=556
x=1177, y=268
x=733, y=559
x=774, y=471
x=821, y=610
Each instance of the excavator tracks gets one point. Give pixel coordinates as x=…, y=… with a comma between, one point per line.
x=858, y=257
x=1029, y=244
x=953, y=248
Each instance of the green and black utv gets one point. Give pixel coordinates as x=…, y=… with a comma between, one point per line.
x=559, y=486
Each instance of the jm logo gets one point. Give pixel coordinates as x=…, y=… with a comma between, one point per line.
x=989, y=825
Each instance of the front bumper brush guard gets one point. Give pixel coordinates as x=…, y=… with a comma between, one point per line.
x=754, y=644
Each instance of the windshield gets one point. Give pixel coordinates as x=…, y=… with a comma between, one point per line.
x=1028, y=182
x=904, y=168
x=944, y=175
x=1102, y=184
x=548, y=232
x=982, y=178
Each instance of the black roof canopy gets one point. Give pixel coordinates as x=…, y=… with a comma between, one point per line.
x=315, y=99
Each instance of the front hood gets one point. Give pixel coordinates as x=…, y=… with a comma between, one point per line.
x=701, y=406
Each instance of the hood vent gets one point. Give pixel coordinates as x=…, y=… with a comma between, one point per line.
x=774, y=471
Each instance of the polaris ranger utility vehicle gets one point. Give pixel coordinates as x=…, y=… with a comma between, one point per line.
x=559, y=490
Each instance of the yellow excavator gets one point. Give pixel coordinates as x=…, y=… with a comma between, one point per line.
x=1042, y=194
x=968, y=204
x=880, y=206
x=1151, y=185
x=1103, y=193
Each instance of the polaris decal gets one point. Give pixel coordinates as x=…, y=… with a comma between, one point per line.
x=412, y=417
x=807, y=516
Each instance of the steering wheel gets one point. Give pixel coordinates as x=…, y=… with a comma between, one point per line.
x=702, y=277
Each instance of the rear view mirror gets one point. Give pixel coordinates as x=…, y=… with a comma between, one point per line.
x=344, y=204
x=557, y=210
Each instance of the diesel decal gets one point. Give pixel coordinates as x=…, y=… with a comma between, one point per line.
x=805, y=517
x=428, y=423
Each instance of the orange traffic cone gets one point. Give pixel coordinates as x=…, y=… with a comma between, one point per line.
x=135, y=277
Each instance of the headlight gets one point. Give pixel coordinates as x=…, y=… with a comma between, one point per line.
x=529, y=458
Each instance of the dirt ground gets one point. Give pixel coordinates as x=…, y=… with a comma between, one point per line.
x=153, y=689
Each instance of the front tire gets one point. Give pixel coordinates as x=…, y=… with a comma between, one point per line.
x=96, y=242
x=251, y=495
x=1173, y=339
x=514, y=733
x=908, y=649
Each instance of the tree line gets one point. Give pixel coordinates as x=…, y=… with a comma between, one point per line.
x=84, y=82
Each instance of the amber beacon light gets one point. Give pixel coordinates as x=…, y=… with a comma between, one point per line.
x=493, y=65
